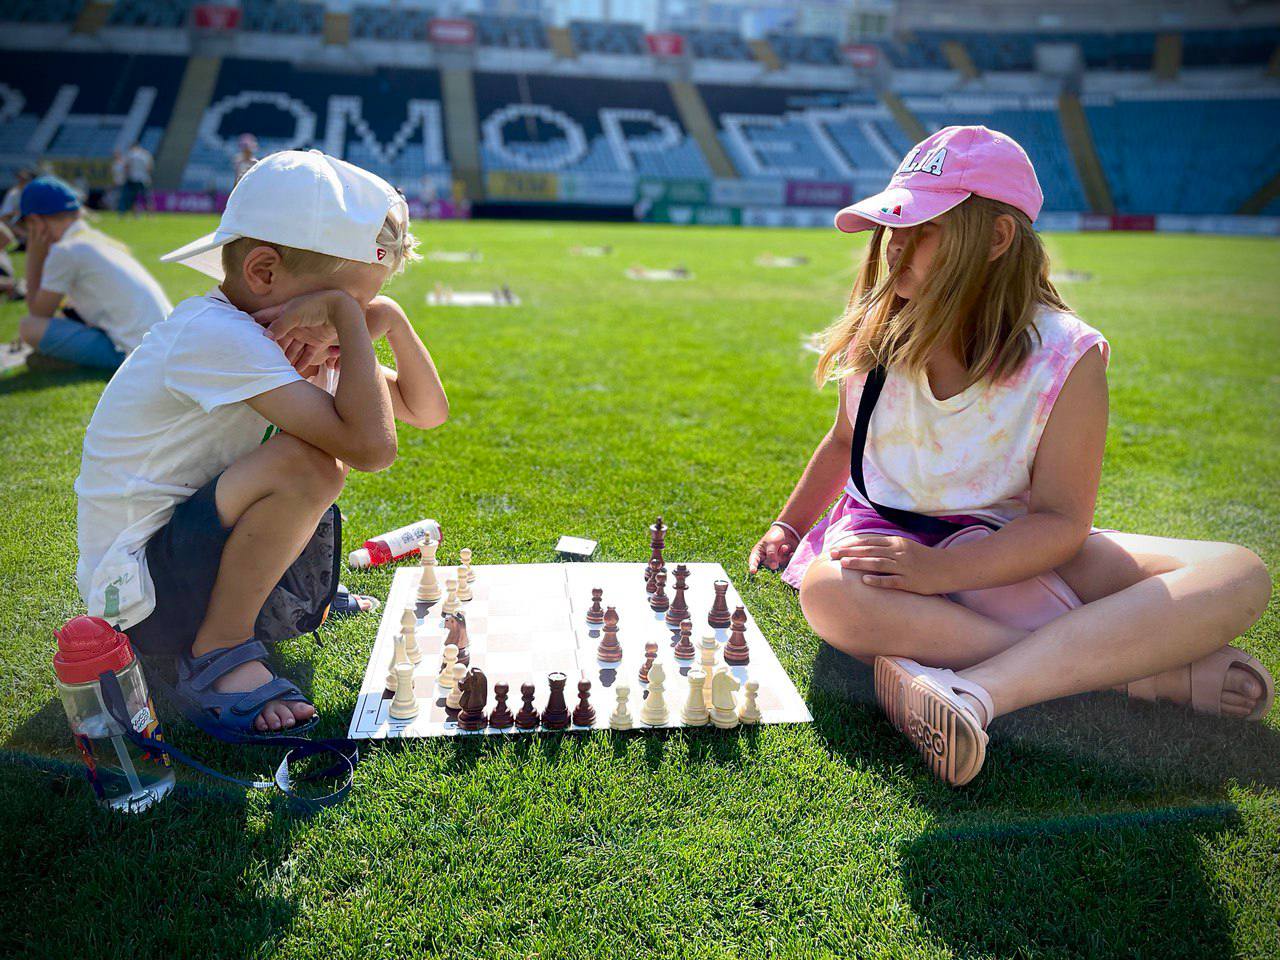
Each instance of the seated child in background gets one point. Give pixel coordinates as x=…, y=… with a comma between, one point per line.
x=993, y=411
x=69, y=263
x=218, y=447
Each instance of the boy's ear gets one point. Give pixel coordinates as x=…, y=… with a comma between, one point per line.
x=1001, y=236
x=261, y=270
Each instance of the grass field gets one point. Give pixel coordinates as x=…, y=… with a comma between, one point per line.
x=1099, y=828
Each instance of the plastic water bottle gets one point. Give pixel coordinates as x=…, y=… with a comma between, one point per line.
x=394, y=545
x=124, y=777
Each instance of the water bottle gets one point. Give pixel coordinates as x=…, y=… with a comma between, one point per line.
x=394, y=545
x=124, y=776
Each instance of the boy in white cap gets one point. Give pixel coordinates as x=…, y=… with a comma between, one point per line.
x=226, y=436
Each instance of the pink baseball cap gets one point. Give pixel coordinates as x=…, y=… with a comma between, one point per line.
x=942, y=171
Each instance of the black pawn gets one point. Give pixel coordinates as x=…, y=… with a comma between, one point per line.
x=500, y=718
x=584, y=714
x=527, y=718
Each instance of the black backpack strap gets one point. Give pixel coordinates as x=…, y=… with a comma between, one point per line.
x=906, y=519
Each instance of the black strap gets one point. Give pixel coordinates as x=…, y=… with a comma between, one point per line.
x=906, y=519
x=342, y=769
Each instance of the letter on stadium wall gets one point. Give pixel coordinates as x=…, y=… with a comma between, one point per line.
x=668, y=135
x=304, y=120
x=424, y=114
x=546, y=156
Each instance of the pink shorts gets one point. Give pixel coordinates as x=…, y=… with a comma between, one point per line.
x=846, y=519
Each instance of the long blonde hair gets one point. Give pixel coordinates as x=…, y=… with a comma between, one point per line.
x=983, y=309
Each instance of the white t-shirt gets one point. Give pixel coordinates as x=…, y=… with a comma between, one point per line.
x=12, y=197
x=106, y=285
x=971, y=454
x=172, y=418
x=137, y=163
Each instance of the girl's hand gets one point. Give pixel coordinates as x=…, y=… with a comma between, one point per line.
x=773, y=550
x=896, y=563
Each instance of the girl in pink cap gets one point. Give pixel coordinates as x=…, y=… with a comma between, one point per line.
x=960, y=557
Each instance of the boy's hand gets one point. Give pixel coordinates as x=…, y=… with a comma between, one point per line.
x=896, y=563
x=304, y=327
x=38, y=237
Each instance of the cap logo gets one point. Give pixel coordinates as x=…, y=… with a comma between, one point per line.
x=930, y=161
x=382, y=253
x=892, y=211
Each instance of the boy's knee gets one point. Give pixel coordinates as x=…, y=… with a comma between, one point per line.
x=308, y=471
x=32, y=329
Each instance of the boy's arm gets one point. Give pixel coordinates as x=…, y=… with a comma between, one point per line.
x=417, y=396
x=356, y=423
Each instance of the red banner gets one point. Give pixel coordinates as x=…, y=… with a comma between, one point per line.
x=454, y=32
x=665, y=44
x=861, y=55
x=215, y=17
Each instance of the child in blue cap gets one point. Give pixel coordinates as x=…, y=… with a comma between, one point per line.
x=107, y=298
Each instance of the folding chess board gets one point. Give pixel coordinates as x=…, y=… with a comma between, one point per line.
x=528, y=620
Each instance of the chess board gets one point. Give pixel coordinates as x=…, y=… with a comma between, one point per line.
x=528, y=620
x=470, y=298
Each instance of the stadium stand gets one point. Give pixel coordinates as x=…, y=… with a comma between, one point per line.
x=559, y=124
x=389, y=23
x=620, y=39
x=519, y=33
x=907, y=52
x=811, y=51
x=388, y=120
x=40, y=11
x=1016, y=51
x=716, y=44
x=289, y=16
x=1229, y=48
x=71, y=113
x=149, y=13
x=1186, y=156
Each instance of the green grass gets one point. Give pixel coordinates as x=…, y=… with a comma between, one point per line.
x=1098, y=828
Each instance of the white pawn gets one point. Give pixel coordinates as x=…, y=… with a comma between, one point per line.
x=405, y=704
x=454, y=700
x=445, y=678
x=429, y=585
x=464, y=585
x=397, y=656
x=465, y=556
x=724, y=709
x=695, y=713
x=451, y=604
x=620, y=719
x=654, y=711
x=707, y=646
x=408, y=630
x=750, y=711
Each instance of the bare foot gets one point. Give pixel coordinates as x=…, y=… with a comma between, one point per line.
x=1242, y=691
x=277, y=714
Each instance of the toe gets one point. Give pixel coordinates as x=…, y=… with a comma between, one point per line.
x=1244, y=682
x=301, y=712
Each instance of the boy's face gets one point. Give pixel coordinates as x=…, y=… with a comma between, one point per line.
x=265, y=276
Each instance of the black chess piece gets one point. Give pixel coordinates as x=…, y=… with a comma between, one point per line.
x=527, y=718
x=584, y=714
x=556, y=714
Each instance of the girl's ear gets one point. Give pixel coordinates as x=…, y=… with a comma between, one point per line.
x=1001, y=236
x=260, y=269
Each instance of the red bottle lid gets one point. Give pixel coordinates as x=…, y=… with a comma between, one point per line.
x=86, y=647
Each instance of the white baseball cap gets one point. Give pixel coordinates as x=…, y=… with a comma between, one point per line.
x=304, y=199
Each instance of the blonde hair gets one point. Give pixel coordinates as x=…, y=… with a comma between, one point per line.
x=984, y=309
x=395, y=236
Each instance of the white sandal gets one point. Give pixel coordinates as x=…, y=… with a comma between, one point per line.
x=925, y=704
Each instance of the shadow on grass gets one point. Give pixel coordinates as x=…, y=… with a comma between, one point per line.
x=22, y=380
x=1093, y=851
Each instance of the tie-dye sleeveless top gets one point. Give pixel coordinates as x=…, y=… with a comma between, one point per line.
x=970, y=454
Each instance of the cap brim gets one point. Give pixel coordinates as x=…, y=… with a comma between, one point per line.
x=898, y=207
x=204, y=254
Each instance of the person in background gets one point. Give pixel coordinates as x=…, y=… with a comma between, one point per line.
x=138, y=165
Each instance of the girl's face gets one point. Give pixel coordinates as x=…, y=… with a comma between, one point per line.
x=912, y=277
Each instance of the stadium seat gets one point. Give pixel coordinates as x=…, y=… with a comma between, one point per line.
x=716, y=44
x=389, y=23
x=289, y=16
x=620, y=39
x=811, y=51
x=517, y=33
x=40, y=11
x=149, y=13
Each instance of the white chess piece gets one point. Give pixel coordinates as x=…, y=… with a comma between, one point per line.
x=707, y=646
x=750, y=710
x=454, y=700
x=464, y=585
x=465, y=556
x=695, y=713
x=429, y=585
x=405, y=704
x=451, y=604
x=408, y=630
x=654, y=711
x=397, y=656
x=620, y=719
x=724, y=709
x=445, y=677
